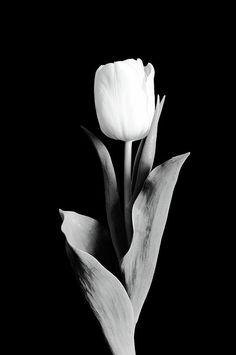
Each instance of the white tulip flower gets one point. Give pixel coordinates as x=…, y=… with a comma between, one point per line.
x=131, y=238
x=124, y=99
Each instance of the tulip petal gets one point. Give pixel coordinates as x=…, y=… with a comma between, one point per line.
x=124, y=99
x=147, y=155
x=149, y=216
x=104, y=292
x=113, y=207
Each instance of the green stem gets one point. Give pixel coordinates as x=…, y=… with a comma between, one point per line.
x=127, y=188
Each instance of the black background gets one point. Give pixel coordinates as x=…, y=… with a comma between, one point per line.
x=55, y=58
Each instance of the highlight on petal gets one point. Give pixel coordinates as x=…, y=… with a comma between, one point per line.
x=115, y=217
x=149, y=215
x=104, y=292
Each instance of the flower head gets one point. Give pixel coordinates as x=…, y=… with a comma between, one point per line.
x=124, y=99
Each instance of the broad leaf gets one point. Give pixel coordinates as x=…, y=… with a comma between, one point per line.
x=103, y=290
x=149, y=215
x=115, y=217
x=147, y=153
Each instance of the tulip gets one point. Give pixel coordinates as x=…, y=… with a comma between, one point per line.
x=125, y=105
x=124, y=99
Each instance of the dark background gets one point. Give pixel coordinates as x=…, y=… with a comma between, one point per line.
x=56, y=54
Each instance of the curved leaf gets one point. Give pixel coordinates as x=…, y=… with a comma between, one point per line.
x=149, y=215
x=85, y=233
x=147, y=154
x=104, y=292
x=115, y=216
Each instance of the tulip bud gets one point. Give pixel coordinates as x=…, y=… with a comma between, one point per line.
x=124, y=99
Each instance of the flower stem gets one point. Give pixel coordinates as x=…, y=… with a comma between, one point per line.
x=127, y=188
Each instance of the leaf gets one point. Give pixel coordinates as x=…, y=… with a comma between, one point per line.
x=85, y=233
x=149, y=215
x=136, y=162
x=104, y=292
x=115, y=216
x=147, y=154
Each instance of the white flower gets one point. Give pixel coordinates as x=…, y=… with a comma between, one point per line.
x=124, y=99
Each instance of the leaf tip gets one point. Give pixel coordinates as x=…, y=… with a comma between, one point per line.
x=163, y=99
x=62, y=214
x=182, y=157
x=90, y=135
x=185, y=155
x=84, y=129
